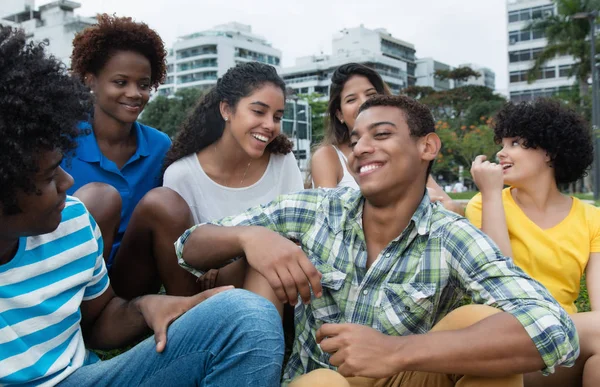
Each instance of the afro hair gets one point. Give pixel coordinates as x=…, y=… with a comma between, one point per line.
x=40, y=106
x=95, y=45
x=547, y=124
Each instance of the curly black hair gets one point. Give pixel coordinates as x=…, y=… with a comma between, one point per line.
x=549, y=125
x=418, y=116
x=95, y=45
x=205, y=124
x=337, y=133
x=40, y=106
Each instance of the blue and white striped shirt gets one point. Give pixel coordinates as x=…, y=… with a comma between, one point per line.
x=41, y=290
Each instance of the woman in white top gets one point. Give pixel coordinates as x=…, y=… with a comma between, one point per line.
x=228, y=156
x=351, y=85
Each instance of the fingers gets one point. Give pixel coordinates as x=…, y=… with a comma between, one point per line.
x=301, y=281
x=289, y=285
x=160, y=338
x=328, y=330
x=312, y=274
x=275, y=282
x=479, y=159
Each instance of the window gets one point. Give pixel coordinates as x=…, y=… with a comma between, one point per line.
x=513, y=16
x=564, y=71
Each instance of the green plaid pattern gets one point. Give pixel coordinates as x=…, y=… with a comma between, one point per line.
x=416, y=280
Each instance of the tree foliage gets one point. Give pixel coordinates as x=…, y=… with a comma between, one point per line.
x=318, y=108
x=457, y=74
x=168, y=113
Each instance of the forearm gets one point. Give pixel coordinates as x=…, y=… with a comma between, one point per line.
x=119, y=324
x=493, y=221
x=209, y=247
x=592, y=281
x=496, y=346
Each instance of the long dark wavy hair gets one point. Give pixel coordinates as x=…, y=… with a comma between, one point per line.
x=337, y=133
x=205, y=124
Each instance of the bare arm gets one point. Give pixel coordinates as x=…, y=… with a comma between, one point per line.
x=489, y=179
x=592, y=278
x=325, y=167
x=109, y=322
x=437, y=194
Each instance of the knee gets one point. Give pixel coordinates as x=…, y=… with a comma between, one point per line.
x=320, y=378
x=165, y=205
x=102, y=200
x=465, y=316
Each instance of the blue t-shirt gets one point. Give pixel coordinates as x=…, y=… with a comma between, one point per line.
x=140, y=174
x=41, y=291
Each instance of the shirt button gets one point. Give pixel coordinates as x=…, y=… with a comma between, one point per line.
x=387, y=255
x=365, y=292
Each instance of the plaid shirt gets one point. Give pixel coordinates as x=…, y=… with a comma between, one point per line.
x=415, y=281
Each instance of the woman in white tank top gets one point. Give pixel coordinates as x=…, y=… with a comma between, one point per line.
x=351, y=85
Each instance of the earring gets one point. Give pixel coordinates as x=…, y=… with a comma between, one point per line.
x=342, y=121
x=225, y=118
x=92, y=92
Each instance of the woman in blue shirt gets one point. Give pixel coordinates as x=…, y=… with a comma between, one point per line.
x=120, y=61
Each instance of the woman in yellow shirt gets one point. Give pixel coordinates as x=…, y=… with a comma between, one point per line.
x=553, y=237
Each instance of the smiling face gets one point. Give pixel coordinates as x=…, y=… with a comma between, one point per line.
x=41, y=211
x=356, y=91
x=521, y=164
x=256, y=119
x=385, y=157
x=121, y=87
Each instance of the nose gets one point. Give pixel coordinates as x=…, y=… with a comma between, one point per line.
x=362, y=146
x=501, y=154
x=133, y=91
x=65, y=180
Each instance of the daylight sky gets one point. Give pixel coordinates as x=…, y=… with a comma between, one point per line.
x=451, y=31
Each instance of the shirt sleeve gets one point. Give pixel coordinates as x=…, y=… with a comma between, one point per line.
x=290, y=215
x=99, y=282
x=478, y=267
x=474, y=210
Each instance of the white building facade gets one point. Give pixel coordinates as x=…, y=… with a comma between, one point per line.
x=425, y=74
x=487, y=77
x=199, y=59
x=392, y=58
x=525, y=46
x=54, y=22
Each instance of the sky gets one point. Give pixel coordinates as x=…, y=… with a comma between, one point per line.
x=450, y=31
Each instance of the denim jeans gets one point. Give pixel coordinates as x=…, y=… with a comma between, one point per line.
x=234, y=338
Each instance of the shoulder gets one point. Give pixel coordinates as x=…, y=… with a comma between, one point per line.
x=325, y=153
x=453, y=228
x=155, y=137
x=589, y=211
x=179, y=168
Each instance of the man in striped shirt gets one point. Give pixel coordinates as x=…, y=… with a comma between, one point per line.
x=387, y=269
x=55, y=294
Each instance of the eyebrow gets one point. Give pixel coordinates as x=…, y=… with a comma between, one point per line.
x=373, y=126
x=264, y=105
x=53, y=166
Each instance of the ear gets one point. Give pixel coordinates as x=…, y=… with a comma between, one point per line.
x=429, y=146
x=339, y=116
x=225, y=110
x=90, y=81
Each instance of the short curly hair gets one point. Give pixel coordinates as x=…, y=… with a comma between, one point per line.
x=40, y=106
x=549, y=125
x=95, y=45
x=418, y=116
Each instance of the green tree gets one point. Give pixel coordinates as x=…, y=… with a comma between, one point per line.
x=457, y=74
x=318, y=109
x=566, y=36
x=168, y=113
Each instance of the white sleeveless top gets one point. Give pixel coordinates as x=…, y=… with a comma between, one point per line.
x=347, y=179
x=209, y=200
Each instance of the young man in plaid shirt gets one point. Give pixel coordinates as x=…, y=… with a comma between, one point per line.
x=380, y=272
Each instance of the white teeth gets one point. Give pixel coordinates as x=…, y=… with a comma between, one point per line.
x=260, y=137
x=369, y=167
x=506, y=166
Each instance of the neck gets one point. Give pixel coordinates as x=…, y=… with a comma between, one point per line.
x=537, y=194
x=384, y=220
x=109, y=130
x=229, y=155
x=8, y=249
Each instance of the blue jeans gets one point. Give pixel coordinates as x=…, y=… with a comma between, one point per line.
x=234, y=338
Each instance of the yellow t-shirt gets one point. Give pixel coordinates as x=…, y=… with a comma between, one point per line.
x=558, y=256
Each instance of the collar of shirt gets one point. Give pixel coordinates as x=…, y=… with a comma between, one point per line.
x=89, y=151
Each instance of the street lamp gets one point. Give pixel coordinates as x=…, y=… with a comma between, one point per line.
x=591, y=16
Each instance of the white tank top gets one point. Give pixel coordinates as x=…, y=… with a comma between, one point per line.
x=347, y=179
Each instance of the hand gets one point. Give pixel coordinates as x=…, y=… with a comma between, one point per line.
x=160, y=311
x=437, y=194
x=359, y=350
x=283, y=264
x=208, y=280
x=489, y=177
